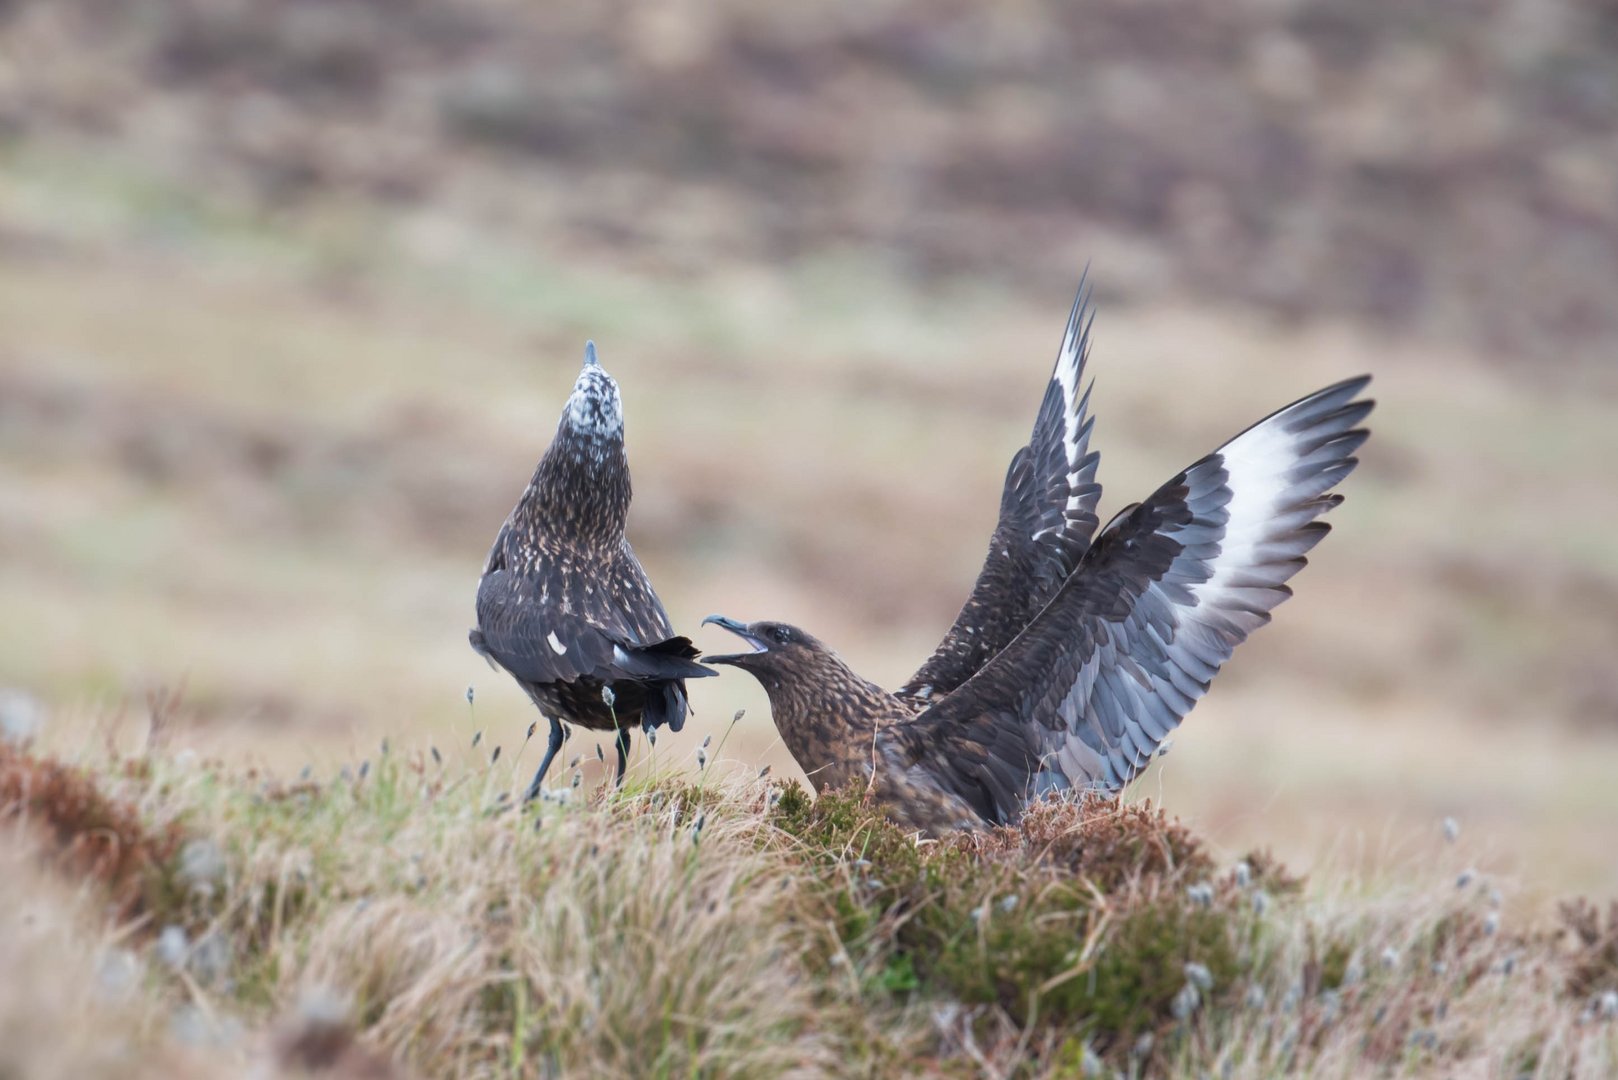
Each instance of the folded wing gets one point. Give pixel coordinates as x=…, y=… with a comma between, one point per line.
x=1047, y=516
x=547, y=625
x=1088, y=691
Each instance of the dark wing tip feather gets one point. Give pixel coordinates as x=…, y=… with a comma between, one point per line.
x=1047, y=517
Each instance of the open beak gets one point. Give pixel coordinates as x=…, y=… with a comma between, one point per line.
x=740, y=630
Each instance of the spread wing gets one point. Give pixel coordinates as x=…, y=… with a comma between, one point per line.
x=1047, y=515
x=1087, y=693
x=557, y=622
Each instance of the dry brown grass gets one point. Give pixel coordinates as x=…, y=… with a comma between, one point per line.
x=407, y=922
x=72, y=1003
x=93, y=836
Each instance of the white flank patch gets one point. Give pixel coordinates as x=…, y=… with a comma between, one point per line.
x=556, y=644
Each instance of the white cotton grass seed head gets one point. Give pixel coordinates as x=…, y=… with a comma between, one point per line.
x=609, y=697
x=1185, y=1002
x=1199, y=976
x=118, y=972
x=702, y=758
x=210, y=960
x=22, y=717
x=172, y=947
x=1390, y=957
x=1331, y=1004
x=1452, y=830
x=1244, y=874
x=1466, y=878
x=1491, y=924
x=202, y=864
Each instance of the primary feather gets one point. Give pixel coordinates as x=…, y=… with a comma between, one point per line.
x=1047, y=516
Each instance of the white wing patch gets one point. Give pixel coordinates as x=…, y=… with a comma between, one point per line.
x=1075, y=406
x=1254, y=463
x=1272, y=474
x=556, y=644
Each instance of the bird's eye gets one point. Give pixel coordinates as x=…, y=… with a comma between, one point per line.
x=781, y=635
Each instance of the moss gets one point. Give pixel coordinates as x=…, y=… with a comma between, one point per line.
x=1003, y=918
x=992, y=955
x=1141, y=967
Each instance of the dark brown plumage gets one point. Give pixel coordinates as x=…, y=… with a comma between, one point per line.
x=1073, y=660
x=563, y=604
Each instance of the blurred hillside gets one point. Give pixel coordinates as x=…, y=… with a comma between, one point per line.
x=290, y=293
x=1445, y=167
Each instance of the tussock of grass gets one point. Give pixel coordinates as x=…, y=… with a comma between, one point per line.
x=728, y=928
x=90, y=834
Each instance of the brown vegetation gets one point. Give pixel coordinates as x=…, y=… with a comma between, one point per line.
x=88, y=833
x=393, y=921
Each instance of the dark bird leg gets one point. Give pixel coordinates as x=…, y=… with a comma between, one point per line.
x=553, y=744
x=623, y=755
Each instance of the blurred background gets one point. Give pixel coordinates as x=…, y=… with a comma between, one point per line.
x=292, y=291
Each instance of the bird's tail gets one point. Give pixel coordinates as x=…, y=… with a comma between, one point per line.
x=672, y=658
x=665, y=706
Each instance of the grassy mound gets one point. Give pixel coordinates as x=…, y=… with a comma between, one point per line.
x=405, y=917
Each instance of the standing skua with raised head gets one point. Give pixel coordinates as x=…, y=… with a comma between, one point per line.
x=563, y=604
x=1073, y=659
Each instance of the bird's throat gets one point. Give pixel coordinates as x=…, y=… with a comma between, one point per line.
x=829, y=722
x=580, y=492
